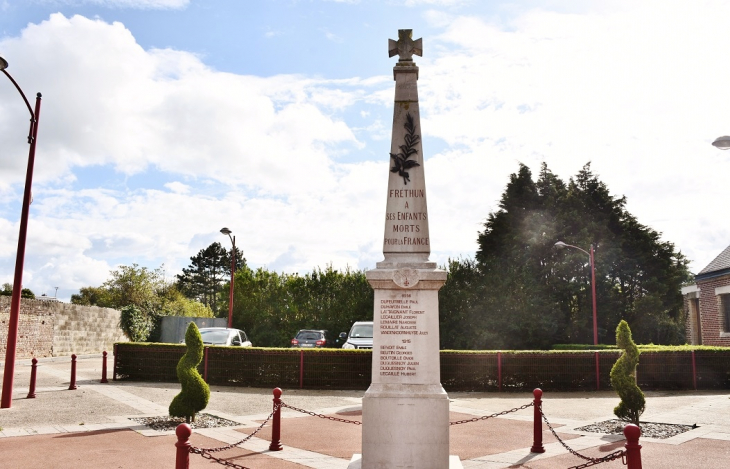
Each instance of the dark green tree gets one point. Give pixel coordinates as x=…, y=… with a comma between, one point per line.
x=272, y=307
x=203, y=280
x=521, y=292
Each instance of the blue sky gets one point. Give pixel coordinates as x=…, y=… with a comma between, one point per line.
x=164, y=120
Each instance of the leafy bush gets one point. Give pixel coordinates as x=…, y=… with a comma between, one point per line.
x=195, y=392
x=623, y=377
x=135, y=323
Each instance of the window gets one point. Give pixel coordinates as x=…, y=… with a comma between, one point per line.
x=725, y=312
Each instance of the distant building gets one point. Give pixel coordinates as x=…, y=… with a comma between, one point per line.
x=45, y=297
x=707, y=304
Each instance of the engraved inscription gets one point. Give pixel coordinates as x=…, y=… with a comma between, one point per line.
x=399, y=317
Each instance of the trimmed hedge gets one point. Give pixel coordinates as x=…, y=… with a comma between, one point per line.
x=461, y=370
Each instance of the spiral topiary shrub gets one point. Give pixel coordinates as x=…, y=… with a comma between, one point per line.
x=195, y=392
x=623, y=377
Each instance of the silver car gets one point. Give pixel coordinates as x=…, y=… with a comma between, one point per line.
x=224, y=336
x=360, y=337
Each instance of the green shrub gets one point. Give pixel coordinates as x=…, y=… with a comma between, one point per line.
x=195, y=392
x=135, y=323
x=623, y=377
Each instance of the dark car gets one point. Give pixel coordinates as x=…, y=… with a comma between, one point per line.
x=224, y=336
x=307, y=338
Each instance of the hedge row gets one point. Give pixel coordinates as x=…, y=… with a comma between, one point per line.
x=460, y=370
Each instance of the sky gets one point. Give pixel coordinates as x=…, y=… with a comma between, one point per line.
x=163, y=121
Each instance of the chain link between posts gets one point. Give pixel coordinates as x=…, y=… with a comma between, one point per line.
x=476, y=419
x=322, y=416
x=205, y=452
x=591, y=461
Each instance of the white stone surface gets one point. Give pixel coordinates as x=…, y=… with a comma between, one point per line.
x=405, y=409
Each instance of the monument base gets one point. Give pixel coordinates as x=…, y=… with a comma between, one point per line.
x=356, y=462
x=405, y=425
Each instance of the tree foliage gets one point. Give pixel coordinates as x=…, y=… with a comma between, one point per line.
x=272, y=307
x=522, y=292
x=144, y=297
x=203, y=279
x=623, y=377
x=7, y=290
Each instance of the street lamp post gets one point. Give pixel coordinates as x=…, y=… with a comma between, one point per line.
x=561, y=244
x=7, y=393
x=228, y=232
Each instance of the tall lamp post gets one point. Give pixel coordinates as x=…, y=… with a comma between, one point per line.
x=228, y=232
x=561, y=244
x=7, y=393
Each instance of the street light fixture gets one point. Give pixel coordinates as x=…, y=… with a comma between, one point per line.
x=723, y=143
x=561, y=244
x=7, y=393
x=228, y=232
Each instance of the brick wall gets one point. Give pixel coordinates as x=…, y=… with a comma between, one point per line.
x=49, y=328
x=713, y=327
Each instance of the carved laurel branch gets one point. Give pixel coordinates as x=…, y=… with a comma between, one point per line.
x=402, y=161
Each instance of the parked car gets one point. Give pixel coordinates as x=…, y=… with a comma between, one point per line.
x=360, y=336
x=224, y=336
x=308, y=338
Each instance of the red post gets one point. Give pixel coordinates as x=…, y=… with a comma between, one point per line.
x=633, y=448
x=103, y=368
x=537, y=433
x=694, y=370
x=182, y=458
x=72, y=386
x=276, y=423
x=6, y=399
x=593, y=288
x=31, y=390
x=499, y=370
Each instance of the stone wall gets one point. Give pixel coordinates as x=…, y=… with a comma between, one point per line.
x=50, y=328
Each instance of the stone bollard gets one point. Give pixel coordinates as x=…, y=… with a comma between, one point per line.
x=537, y=417
x=103, y=368
x=276, y=423
x=633, y=448
x=182, y=457
x=72, y=386
x=31, y=390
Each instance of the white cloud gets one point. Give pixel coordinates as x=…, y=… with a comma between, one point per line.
x=139, y=4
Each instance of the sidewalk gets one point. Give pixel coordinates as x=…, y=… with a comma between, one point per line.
x=90, y=427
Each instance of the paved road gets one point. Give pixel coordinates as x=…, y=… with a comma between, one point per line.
x=90, y=427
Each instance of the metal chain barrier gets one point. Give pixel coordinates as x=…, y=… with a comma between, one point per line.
x=476, y=419
x=205, y=452
x=591, y=461
x=322, y=416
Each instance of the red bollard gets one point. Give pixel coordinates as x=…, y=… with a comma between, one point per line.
x=276, y=424
x=72, y=386
x=31, y=390
x=537, y=433
x=182, y=457
x=103, y=368
x=633, y=448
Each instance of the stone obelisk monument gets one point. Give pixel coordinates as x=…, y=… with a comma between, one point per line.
x=405, y=409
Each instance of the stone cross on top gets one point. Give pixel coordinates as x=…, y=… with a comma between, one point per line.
x=406, y=46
